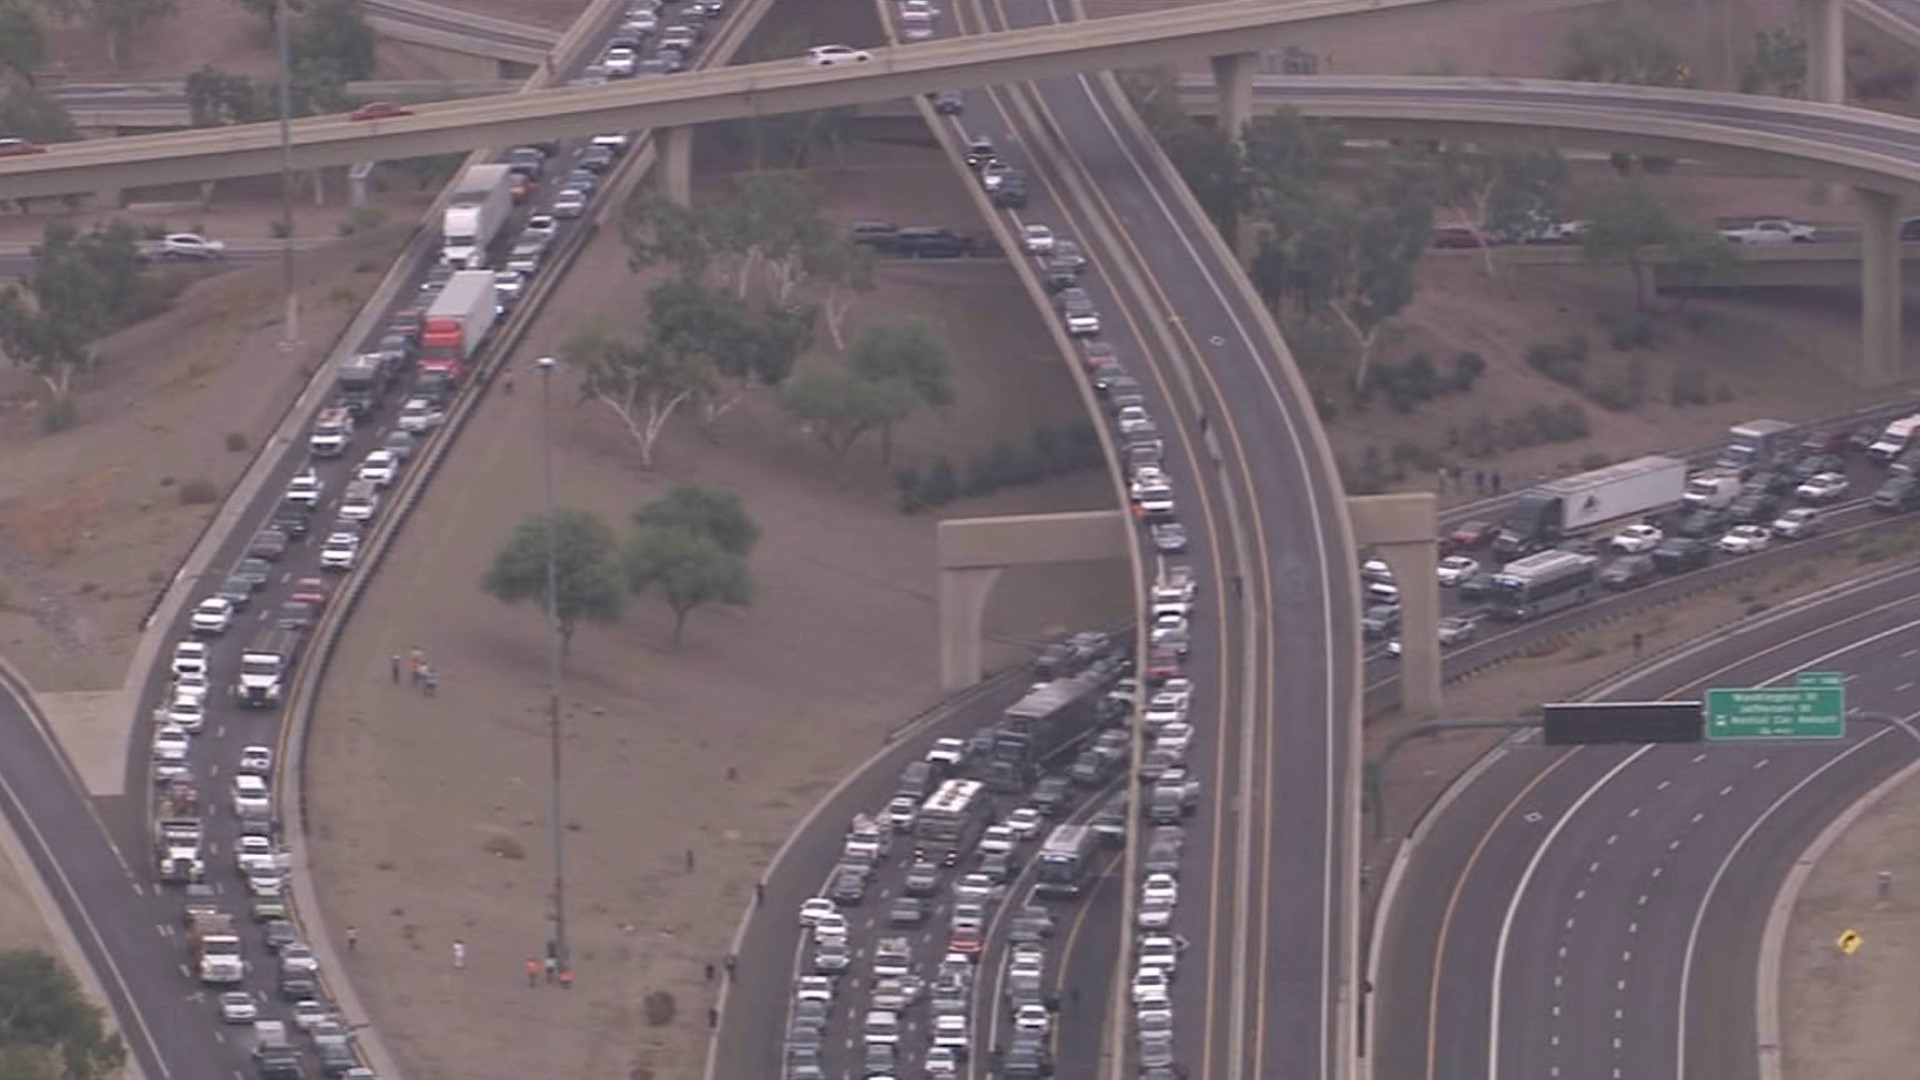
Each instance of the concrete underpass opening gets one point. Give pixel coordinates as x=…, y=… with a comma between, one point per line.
x=972, y=552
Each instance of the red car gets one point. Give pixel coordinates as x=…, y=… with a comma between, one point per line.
x=310, y=590
x=1471, y=534
x=1162, y=664
x=19, y=148
x=965, y=941
x=379, y=110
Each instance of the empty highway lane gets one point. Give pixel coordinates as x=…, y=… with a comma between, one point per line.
x=1595, y=912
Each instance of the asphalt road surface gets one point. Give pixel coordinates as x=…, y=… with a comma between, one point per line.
x=1260, y=895
x=96, y=855
x=1583, y=912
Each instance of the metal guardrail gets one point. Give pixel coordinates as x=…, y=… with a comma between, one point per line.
x=309, y=676
x=1554, y=631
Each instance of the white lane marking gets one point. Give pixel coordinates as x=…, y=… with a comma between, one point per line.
x=1633, y=928
x=1519, y=894
x=1762, y=763
x=1726, y=791
x=1663, y=785
x=1698, y=758
x=1335, y=725
x=1634, y=813
x=1726, y=862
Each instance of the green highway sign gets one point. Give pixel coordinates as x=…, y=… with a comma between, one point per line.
x=1815, y=707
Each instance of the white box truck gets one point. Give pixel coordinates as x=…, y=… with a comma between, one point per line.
x=1542, y=516
x=1895, y=440
x=481, y=203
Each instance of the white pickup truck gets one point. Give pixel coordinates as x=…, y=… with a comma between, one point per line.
x=1768, y=231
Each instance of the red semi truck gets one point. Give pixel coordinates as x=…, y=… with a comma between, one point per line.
x=457, y=322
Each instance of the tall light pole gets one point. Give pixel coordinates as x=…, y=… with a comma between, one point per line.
x=290, y=329
x=556, y=810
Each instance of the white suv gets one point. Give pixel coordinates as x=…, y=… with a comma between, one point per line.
x=835, y=55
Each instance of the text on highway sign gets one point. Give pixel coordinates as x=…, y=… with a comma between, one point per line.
x=1814, y=707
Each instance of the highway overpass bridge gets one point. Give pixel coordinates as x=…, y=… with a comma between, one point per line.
x=1878, y=154
x=116, y=108
x=1788, y=266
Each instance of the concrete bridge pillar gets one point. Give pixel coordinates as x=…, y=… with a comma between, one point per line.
x=1720, y=74
x=675, y=167
x=114, y=198
x=1880, y=344
x=1233, y=81
x=1404, y=530
x=1825, y=25
x=963, y=606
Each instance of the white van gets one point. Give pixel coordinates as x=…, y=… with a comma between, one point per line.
x=1894, y=441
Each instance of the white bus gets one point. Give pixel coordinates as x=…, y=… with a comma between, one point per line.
x=1542, y=584
x=1066, y=861
x=951, y=819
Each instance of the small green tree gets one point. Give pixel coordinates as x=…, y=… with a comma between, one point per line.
x=1778, y=64
x=215, y=98
x=28, y=113
x=1504, y=190
x=840, y=407
x=268, y=11
x=715, y=513
x=685, y=569
x=333, y=34
x=1618, y=47
x=1625, y=223
x=118, y=22
x=47, y=1026
x=83, y=287
x=586, y=570
x=909, y=354
x=23, y=41
x=643, y=385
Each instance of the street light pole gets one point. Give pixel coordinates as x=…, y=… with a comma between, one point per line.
x=556, y=809
x=290, y=329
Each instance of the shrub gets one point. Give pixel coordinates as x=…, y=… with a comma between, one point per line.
x=236, y=442
x=1687, y=386
x=940, y=485
x=908, y=484
x=660, y=1007
x=1370, y=478
x=1467, y=369
x=1628, y=330
x=1412, y=456
x=1615, y=393
x=59, y=414
x=1564, y=362
x=198, y=492
x=1594, y=459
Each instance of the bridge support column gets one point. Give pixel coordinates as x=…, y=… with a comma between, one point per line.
x=675, y=167
x=963, y=607
x=1403, y=529
x=1720, y=49
x=1233, y=86
x=1233, y=82
x=1825, y=24
x=1880, y=344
